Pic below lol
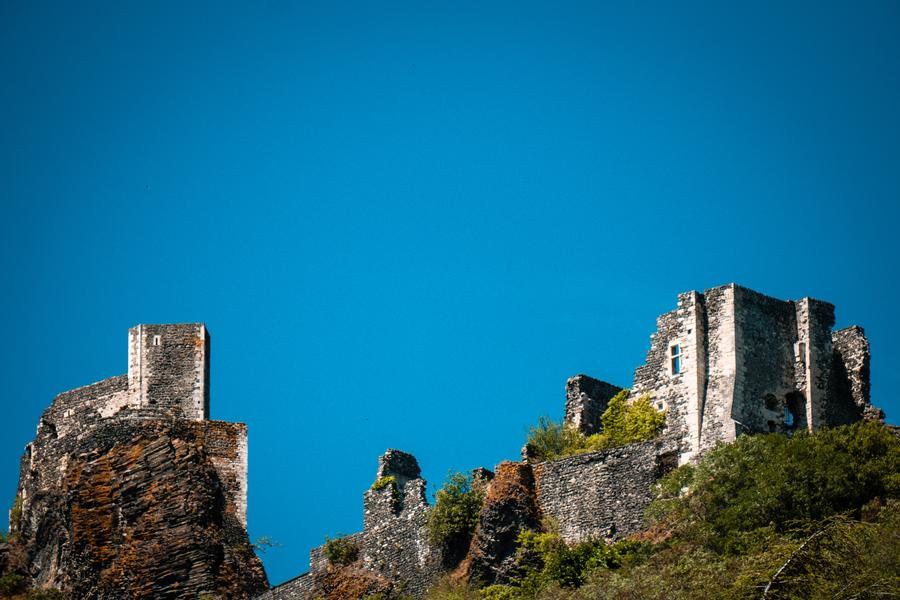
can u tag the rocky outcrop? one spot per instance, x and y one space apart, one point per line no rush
133 508
509 508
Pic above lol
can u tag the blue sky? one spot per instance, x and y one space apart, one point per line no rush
406 224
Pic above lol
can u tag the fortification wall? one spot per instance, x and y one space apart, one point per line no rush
78 409
602 494
226 445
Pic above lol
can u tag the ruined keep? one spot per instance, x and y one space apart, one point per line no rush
725 362
130 491
731 361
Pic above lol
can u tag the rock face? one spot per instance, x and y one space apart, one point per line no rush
138 511
509 508
122 500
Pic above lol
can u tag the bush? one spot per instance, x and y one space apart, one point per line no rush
789 483
383 482
568 565
340 551
623 423
15 519
498 592
455 515
11 583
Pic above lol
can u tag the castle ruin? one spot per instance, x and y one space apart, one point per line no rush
731 361
127 466
726 362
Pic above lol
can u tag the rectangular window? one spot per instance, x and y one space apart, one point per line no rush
675 356
156 340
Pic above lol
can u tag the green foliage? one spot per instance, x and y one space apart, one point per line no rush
567 565
811 516
45 594
449 589
626 423
15 519
340 551
11 583
498 592
456 511
623 423
383 482
789 483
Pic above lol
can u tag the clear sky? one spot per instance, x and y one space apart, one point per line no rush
406 224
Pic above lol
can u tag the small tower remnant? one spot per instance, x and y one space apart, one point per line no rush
586 401
168 369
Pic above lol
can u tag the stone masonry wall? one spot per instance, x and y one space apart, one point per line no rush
849 393
679 394
394 542
226 445
602 494
586 400
765 333
168 368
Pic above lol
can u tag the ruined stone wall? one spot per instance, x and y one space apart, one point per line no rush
586 401
226 445
75 410
168 368
680 394
849 385
393 545
602 494
765 336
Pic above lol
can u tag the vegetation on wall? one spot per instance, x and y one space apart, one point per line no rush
340 551
455 515
810 516
15 518
623 423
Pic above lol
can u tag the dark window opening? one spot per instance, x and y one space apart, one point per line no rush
771 402
771 426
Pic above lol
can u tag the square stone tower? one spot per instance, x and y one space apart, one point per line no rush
731 361
168 369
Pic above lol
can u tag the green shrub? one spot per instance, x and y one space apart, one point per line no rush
11 583
448 588
626 423
498 592
455 515
15 519
623 423
340 551
567 565
383 482
790 483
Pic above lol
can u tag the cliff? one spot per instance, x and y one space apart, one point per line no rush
134 509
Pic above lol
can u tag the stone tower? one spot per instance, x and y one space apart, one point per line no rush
168 369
